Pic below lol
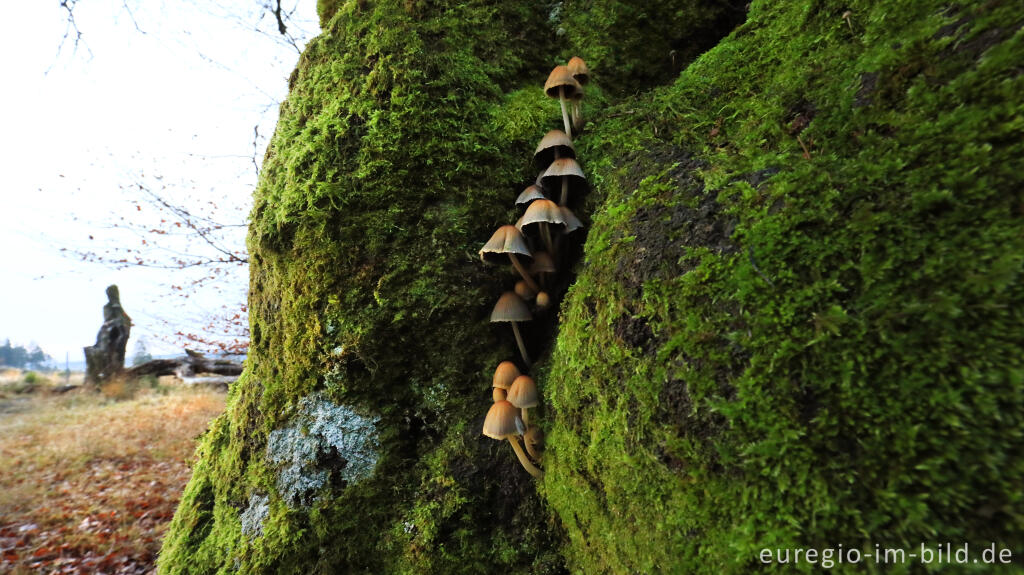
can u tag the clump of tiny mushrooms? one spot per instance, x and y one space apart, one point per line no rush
533 248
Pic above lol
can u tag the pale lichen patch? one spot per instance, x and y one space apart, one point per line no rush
324 443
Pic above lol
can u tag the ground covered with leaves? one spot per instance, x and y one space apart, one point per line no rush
88 484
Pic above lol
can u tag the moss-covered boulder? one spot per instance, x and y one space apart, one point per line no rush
796 322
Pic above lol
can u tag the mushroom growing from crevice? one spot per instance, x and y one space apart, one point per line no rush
578 122
508 244
543 301
523 290
532 192
511 308
561 85
554 145
542 213
578 68
501 423
504 375
523 394
567 174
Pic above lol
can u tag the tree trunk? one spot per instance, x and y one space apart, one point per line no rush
806 348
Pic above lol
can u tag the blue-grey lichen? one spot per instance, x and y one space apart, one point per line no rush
253 517
325 443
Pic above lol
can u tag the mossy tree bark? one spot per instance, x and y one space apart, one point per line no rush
796 324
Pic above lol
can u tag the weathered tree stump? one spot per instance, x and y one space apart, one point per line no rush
105 359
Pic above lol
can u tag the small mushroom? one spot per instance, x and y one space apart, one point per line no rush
504 375
578 68
523 394
511 308
503 422
572 223
543 300
555 144
580 73
567 172
577 114
532 192
561 85
543 213
508 243
534 441
523 290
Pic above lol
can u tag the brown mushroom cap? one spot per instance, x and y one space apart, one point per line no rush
505 374
572 223
543 300
553 142
533 192
578 68
506 240
524 290
523 392
510 307
560 77
551 179
541 211
542 264
501 420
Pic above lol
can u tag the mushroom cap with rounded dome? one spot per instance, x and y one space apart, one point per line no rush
541 211
569 168
510 307
578 68
500 422
543 300
523 392
553 141
572 223
532 192
524 290
505 240
560 77
505 374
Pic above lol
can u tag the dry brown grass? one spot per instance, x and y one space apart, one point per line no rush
88 484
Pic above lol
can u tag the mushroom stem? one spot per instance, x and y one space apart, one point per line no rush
565 191
526 416
522 346
565 116
522 271
545 234
527 465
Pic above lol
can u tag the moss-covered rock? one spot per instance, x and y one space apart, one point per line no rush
796 324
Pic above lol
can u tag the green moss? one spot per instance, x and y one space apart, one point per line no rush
765 349
631 46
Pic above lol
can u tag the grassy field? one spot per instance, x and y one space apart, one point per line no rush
89 481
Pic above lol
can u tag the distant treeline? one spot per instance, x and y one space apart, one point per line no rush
18 356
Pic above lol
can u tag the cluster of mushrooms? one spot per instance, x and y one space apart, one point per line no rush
533 246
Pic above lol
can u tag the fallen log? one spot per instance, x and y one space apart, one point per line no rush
185 367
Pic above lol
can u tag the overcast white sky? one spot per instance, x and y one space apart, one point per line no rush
164 93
